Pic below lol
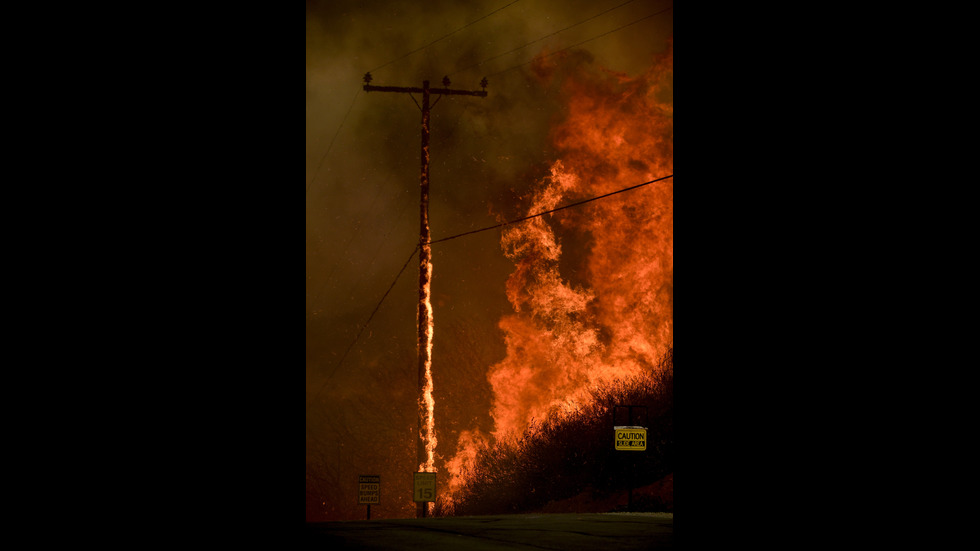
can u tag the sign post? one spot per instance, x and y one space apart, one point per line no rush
368 491
629 438
424 489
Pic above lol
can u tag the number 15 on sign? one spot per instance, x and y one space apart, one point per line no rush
424 487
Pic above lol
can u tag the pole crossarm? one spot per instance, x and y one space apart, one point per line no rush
448 92
426 419
403 89
411 89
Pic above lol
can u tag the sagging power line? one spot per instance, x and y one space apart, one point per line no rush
540 39
509 222
363 327
582 42
550 211
325 153
444 37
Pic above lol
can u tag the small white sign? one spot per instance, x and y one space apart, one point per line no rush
368 489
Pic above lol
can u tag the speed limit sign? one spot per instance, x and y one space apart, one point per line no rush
424 487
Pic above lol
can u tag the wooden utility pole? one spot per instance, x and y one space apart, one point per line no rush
425 253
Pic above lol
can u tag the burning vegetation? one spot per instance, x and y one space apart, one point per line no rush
593 322
571 453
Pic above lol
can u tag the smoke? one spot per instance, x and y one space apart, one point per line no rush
489 157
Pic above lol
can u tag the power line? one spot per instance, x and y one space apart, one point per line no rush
540 39
444 37
383 242
582 42
552 210
393 221
411 256
351 106
385 65
358 336
354 99
317 171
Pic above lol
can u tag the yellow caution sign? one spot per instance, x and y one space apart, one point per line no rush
631 438
424 487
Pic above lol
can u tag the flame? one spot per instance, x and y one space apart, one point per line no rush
606 312
427 402
469 442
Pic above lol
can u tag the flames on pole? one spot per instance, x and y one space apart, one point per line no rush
425 449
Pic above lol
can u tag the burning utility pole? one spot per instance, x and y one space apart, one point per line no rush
425 444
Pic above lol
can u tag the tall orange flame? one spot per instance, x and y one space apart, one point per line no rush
426 405
605 311
427 401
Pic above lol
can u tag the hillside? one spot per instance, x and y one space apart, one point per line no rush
655 497
568 462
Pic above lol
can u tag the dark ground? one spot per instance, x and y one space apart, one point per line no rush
569 532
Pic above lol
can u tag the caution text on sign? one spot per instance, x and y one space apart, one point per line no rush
630 438
368 489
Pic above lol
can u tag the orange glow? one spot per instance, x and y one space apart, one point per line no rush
428 403
607 314
469 443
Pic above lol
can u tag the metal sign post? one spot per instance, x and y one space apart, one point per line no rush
629 438
424 489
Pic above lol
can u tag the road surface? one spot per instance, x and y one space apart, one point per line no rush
567 532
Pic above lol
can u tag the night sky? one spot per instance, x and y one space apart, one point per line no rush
362 210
